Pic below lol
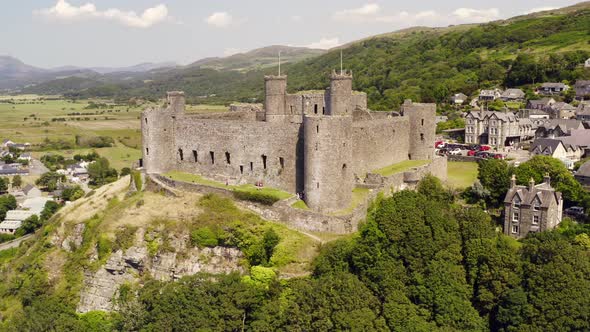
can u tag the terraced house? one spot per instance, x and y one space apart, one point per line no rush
497 129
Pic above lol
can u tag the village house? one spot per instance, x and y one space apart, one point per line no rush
557 128
458 99
582 88
579 138
535 115
552 88
532 208
497 129
513 95
541 104
587 63
583 111
557 149
562 110
490 95
583 175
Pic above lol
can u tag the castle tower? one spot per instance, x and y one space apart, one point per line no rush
340 93
275 91
328 177
422 129
157 127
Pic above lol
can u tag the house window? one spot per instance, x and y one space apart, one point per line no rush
228 158
536 205
212 155
195 156
263 161
515 216
180 154
535 220
514 229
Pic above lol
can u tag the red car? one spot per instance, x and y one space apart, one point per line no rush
471 153
485 148
438 144
499 156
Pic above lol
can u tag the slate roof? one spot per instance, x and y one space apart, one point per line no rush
565 124
584 170
546 145
553 85
28 188
500 115
513 93
578 137
543 101
544 192
560 106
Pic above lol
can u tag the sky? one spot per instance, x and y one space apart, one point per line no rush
90 33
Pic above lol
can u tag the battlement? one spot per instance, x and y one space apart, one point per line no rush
176 100
275 77
342 75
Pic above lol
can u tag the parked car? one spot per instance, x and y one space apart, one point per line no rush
439 144
485 148
471 153
482 154
575 211
455 152
442 152
499 156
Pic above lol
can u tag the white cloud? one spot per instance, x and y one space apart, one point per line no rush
64 11
539 9
219 19
470 15
325 43
296 18
372 12
358 14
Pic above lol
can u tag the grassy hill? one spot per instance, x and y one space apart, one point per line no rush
425 64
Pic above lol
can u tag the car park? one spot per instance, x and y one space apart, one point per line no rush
455 152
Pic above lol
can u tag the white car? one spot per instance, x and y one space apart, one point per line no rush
455 152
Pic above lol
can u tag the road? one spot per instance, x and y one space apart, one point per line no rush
37 168
14 243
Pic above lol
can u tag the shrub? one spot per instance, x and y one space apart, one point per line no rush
204 237
256 196
136 177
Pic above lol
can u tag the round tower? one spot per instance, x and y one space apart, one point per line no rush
340 93
422 129
275 91
157 134
328 176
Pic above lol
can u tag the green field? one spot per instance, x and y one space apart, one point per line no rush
359 195
401 167
461 175
119 156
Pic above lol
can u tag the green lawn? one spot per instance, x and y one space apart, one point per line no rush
300 205
461 174
401 167
358 196
119 156
195 178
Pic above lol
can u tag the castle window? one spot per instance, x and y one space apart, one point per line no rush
514 229
316 146
145 120
264 161
251 166
422 137
323 110
282 162
315 109
195 156
318 185
344 169
212 155
291 109
227 158
535 220
147 151
241 169
422 121
317 129
180 154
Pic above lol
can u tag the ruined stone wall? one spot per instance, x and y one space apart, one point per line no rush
379 143
229 116
240 152
243 107
328 162
359 100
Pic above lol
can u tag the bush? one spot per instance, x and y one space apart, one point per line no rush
136 175
204 237
255 196
6 237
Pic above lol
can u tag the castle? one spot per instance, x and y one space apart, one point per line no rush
320 144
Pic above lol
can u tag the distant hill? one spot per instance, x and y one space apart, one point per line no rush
423 64
258 58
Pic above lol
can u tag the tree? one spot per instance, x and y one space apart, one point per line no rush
72 193
3 185
49 180
49 210
101 173
494 175
17 181
125 171
29 225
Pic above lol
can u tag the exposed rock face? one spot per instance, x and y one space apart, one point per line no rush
101 287
73 241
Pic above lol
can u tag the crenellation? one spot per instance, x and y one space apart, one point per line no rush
313 143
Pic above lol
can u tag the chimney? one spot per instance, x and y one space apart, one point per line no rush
513 181
531 184
547 179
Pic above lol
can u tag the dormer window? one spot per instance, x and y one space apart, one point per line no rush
516 202
536 205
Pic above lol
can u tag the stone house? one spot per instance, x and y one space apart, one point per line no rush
489 95
557 149
541 104
532 208
552 88
562 110
587 63
497 129
557 127
513 95
458 99
533 114
583 111
583 174
31 191
582 88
